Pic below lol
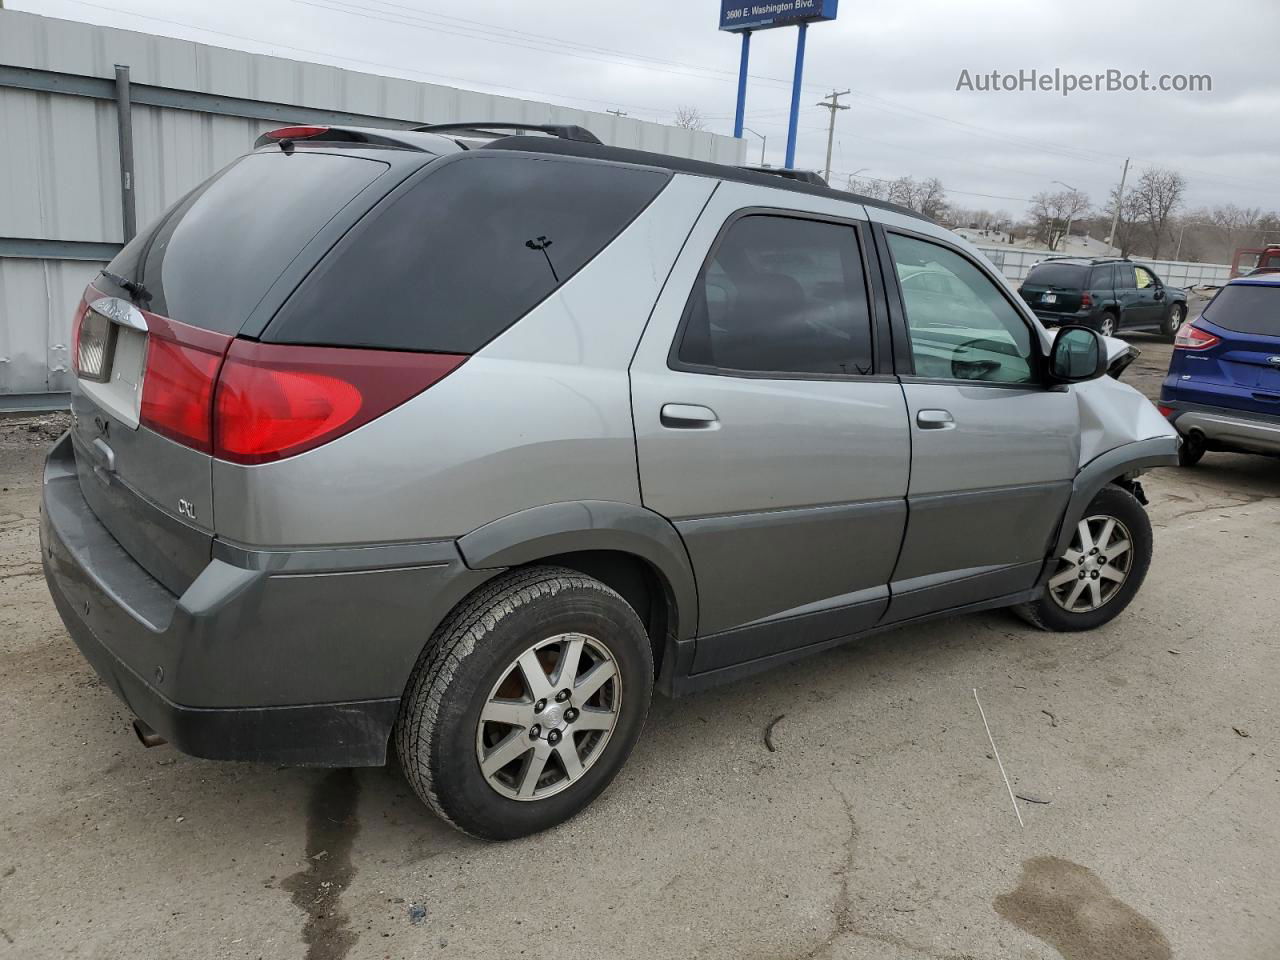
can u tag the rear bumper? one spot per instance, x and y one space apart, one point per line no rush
295 657
1232 429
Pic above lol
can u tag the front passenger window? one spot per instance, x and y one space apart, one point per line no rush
961 325
1145 278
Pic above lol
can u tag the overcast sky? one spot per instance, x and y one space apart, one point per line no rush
901 59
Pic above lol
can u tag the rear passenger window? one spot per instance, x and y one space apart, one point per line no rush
1101 278
780 295
1124 276
467 250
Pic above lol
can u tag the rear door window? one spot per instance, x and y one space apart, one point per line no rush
780 295
458 255
1102 278
1252 308
214 254
1124 276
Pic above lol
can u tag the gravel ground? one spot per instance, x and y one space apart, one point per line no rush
880 827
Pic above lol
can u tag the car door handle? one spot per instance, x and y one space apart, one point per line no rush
688 416
935 420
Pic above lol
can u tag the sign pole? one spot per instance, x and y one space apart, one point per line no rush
740 116
795 97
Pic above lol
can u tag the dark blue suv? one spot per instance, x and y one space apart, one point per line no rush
1223 387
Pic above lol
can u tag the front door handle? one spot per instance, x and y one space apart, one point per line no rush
935 420
688 416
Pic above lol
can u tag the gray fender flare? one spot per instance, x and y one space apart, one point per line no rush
1124 460
577 525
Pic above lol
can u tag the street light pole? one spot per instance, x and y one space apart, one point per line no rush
763 141
1191 223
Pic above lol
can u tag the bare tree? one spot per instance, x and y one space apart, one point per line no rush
929 198
1158 195
690 118
875 189
1130 215
924 196
1052 214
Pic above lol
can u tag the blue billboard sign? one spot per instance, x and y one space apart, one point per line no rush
762 14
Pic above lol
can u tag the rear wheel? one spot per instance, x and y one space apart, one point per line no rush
1100 572
1191 449
1107 324
1177 313
526 702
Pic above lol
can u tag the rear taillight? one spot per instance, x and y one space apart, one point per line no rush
1191 337
77 325
1165 412
177 388
1086 300
275 401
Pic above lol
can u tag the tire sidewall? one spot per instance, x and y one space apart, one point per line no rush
1173 320
460 790
1112 501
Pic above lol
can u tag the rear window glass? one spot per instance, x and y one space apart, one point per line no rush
1246 308
462 253
214 254
1057 274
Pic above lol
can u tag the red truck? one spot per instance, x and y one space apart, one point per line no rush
1256 259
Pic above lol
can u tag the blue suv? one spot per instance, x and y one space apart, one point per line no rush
1223 387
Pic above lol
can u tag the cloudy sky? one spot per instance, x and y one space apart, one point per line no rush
902 61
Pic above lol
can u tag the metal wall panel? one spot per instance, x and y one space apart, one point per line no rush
59 173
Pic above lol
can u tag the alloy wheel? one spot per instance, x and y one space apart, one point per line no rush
1094 567
548 718
1107 327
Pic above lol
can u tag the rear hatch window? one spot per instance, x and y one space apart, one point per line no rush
1251 308
1054 287
1060 275
456 256
213 255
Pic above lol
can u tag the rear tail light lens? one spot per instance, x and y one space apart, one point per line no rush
1086 300
1191 337
275 401
177 389
1165 412
76 324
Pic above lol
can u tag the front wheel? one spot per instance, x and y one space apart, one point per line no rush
526 702
1100 572
1177 313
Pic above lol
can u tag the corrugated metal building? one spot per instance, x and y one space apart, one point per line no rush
194 109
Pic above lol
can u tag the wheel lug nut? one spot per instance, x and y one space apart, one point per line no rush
562 696
534 731
1094 575
570 715
540 706
553 737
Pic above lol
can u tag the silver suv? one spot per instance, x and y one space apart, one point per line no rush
467 442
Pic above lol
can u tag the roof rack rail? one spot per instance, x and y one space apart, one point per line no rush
801 176
565 131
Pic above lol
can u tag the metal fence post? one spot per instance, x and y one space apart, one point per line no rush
124 119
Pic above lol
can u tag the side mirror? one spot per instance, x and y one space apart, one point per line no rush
1078 354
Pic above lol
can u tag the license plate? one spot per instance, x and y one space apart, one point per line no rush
1048 298
96 346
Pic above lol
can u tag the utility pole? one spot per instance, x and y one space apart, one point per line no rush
833 106
617 113
1115 219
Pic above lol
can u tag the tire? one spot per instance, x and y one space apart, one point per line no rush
1177 313
477 666
1191 449
1108 324
1128 524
